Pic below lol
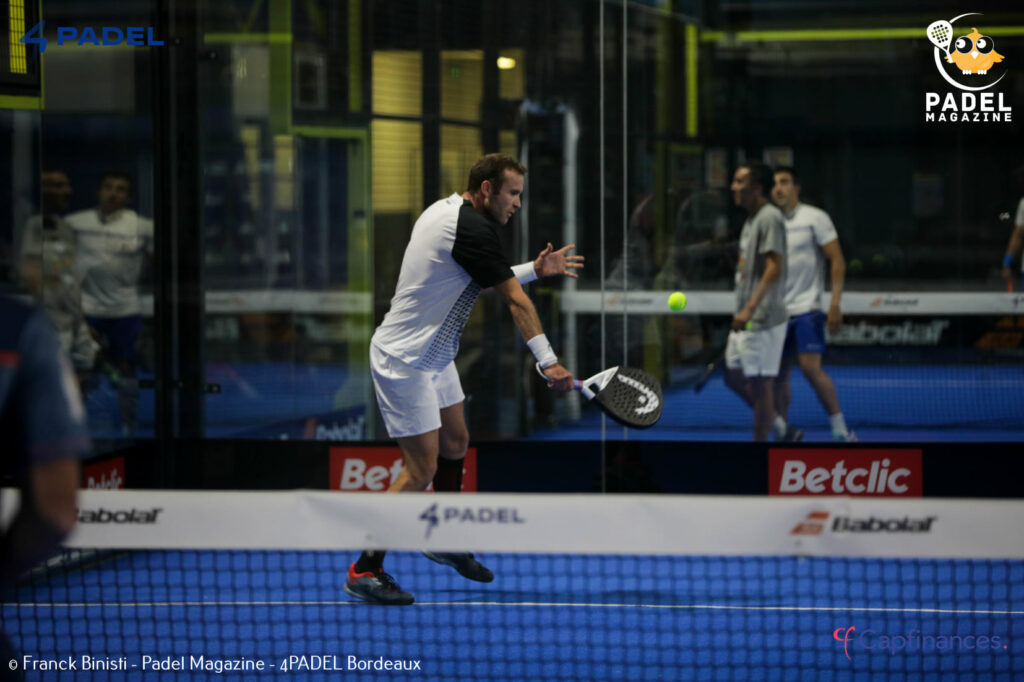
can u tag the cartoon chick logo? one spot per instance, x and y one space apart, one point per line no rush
973 54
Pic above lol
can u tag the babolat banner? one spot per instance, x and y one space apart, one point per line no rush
980 332
489 522
342 425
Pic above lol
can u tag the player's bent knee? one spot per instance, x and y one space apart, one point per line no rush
421 475
454 447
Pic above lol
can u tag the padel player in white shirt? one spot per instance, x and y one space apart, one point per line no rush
1016 237
811 239
453 254
114 243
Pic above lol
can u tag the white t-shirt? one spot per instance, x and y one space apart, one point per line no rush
1019 221
807 229
453 253
109 261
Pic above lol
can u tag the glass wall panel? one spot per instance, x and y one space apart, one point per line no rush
286 221
326 128
98 221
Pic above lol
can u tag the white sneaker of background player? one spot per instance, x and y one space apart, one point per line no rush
848 437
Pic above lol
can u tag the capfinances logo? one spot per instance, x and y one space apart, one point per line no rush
972 66
913 641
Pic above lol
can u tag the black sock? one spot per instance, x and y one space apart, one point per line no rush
372 560
448 478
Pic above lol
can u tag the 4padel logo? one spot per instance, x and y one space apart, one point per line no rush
430 516
971 65
435 515
105 36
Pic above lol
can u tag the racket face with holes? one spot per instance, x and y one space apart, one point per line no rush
940 33
628 395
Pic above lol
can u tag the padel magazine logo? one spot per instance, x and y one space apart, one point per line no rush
971 65
914 641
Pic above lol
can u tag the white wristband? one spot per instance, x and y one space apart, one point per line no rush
541 349
524 272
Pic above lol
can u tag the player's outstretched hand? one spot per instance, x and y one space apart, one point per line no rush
559 378
551 262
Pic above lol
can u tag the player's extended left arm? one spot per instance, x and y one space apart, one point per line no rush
770 278
526 319
549 262
834 253
1016 239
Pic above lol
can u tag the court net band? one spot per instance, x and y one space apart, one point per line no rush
195 585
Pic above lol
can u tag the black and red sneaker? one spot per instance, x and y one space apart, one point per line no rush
376 587
463 562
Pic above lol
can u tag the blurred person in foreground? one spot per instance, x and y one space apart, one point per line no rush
43 425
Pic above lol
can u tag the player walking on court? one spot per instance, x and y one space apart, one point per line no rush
453 254
811 239
1016 236
754 347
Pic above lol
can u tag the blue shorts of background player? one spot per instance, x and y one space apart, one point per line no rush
120 335
805 334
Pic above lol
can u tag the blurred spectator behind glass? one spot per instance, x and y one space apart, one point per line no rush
633 270
702 254
46 269
114 243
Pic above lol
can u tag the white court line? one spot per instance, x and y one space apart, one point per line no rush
937 382
706 607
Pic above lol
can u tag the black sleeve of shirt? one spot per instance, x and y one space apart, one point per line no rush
477 249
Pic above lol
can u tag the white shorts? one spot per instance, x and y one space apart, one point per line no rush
411 399
757 352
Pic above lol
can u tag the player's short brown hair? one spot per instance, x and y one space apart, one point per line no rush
492 167
760 174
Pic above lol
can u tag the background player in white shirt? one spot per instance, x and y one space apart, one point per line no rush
113 245
811 239
454 253
1016 237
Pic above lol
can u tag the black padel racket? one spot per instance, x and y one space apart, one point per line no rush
705 376
630 396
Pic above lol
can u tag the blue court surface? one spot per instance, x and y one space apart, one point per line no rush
563 617
897 403
881 404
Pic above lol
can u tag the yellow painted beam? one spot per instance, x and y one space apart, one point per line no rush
842 34
691 80
257 38
18 102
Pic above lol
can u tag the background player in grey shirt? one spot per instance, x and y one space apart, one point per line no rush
759 327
